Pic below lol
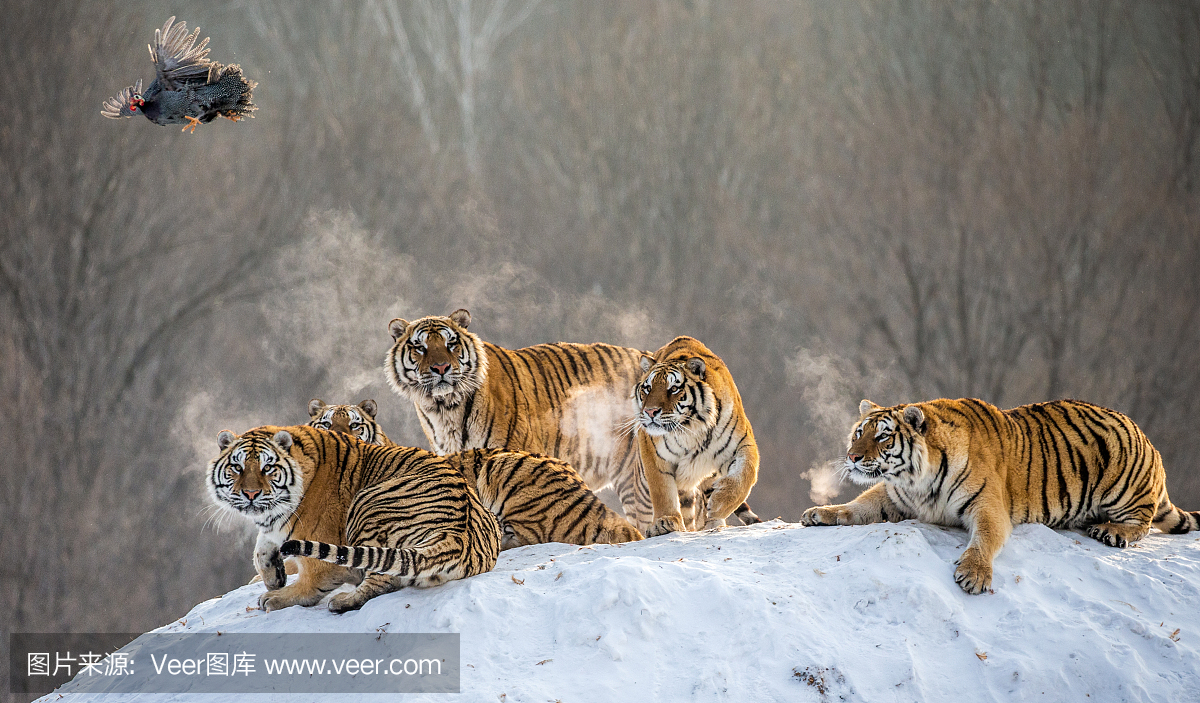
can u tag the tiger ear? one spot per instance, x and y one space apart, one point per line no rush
315 407
696 366
283 439
461 317
647 361
397 327
224 439
914 416
369 407
865 406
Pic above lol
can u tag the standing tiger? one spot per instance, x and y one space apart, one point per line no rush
562 400
356 420
967 463
691 427
409 518
540 499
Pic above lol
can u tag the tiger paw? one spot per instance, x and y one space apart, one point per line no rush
665 525
827 515
286 597
272 601
974 572
345 602
714 525
1115 535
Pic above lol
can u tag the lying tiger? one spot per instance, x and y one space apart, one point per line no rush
537 499
381 518
967 463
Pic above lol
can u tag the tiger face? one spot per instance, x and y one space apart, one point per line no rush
355 420
886 443
673 397
436 359
255 476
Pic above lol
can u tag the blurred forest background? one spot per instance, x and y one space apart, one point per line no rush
893 200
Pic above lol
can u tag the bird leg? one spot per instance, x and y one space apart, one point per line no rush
193 123
231 116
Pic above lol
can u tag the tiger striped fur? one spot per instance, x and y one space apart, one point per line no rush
690 427
357 420
418 519
966 463
540 499
563 400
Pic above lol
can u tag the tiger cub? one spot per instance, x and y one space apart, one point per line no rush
357 420
691 426
411 518
562 400
540 499
967 463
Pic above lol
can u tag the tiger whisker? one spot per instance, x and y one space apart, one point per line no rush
214 514
627 428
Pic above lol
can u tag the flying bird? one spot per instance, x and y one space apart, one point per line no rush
188 88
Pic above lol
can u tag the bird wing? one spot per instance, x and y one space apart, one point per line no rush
177 59
118 107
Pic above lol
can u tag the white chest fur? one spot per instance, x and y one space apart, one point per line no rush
927 497
696 456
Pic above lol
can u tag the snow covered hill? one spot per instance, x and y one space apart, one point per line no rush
777 612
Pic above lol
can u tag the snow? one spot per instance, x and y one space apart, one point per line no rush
779 612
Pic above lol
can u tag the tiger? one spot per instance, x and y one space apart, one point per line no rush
379 518
691 427
967 463
563 400
539 499
358 420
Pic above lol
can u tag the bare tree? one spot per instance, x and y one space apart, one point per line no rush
457 40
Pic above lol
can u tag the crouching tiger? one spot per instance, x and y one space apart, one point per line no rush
967 463
693 435
381 518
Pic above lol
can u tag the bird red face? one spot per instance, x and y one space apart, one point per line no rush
136 103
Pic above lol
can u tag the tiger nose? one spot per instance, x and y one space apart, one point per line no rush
251 495
854 457
440 368
652 412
